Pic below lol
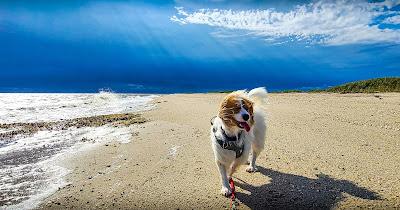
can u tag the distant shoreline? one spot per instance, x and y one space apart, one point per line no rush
378 85
386 84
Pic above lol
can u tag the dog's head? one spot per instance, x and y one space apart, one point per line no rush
236 111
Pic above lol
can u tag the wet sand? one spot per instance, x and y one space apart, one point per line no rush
322 151
13 130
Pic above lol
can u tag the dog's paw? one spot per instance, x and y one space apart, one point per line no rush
251 169
226 191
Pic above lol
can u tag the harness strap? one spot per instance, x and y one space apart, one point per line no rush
229 143
231 146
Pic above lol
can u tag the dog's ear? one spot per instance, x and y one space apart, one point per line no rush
228 108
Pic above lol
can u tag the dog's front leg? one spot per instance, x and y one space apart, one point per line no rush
252 160
226 189
233 168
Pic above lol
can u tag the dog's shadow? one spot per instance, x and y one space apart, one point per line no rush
288 191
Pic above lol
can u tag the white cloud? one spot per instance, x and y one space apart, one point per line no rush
392 20
323 22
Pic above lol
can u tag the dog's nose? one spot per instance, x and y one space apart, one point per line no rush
245 117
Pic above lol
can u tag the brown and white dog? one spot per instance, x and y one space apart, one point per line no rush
238 133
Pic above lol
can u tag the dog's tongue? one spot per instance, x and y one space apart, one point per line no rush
245 126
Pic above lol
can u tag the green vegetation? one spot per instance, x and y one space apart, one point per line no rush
389 84
369 86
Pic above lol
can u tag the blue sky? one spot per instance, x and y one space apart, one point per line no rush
191 46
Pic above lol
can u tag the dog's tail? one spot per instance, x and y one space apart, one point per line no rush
258 95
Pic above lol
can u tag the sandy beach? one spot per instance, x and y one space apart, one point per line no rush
322 151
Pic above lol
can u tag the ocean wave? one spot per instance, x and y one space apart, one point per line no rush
30 167
18 107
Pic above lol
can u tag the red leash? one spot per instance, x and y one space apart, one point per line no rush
233 196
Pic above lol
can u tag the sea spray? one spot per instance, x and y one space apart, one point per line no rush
24 108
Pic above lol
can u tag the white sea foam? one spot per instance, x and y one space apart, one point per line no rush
30 166
21 107
41 176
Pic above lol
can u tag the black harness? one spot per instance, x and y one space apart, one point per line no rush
229 142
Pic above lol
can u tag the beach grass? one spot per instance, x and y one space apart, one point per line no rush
389 84
378 85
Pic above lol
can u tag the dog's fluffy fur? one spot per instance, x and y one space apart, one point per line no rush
230 118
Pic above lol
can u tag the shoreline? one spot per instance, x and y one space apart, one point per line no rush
322 151
86 134
37 133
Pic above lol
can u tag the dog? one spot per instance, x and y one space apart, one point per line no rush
238 133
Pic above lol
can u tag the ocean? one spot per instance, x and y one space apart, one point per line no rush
30 167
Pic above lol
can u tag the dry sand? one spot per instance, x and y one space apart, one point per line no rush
322 151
